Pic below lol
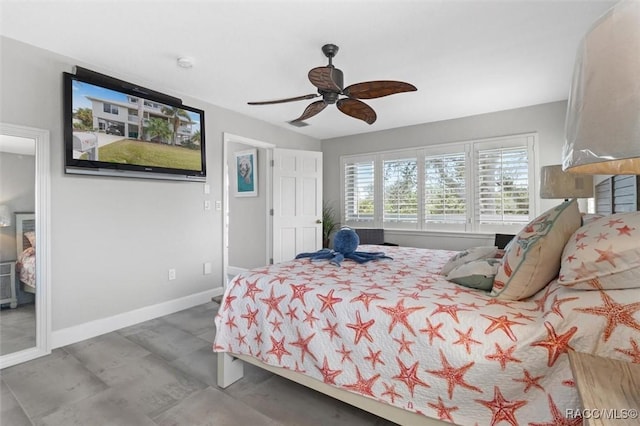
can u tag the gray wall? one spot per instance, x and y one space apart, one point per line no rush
17 190
247 219
113 239
547 120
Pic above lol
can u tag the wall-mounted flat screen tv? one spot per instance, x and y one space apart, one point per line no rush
115 128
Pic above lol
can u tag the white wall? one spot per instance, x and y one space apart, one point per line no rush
113 239
547 120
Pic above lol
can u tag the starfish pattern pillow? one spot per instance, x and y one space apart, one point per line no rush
532 258
605 254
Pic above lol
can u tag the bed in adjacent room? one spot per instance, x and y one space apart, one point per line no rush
398 339
26 251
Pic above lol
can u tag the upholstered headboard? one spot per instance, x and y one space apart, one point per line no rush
618 194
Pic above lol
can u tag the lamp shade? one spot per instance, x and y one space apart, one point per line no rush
603 115
555 183
5 216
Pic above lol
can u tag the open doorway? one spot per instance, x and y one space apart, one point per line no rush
247 233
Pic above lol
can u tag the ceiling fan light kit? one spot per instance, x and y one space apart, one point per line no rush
329 81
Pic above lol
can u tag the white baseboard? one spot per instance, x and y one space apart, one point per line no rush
78 333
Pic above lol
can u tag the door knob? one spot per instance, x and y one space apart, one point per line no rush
318 221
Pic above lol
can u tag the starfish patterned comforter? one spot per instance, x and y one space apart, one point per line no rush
398 332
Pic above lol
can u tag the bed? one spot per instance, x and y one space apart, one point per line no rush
395 338
26 251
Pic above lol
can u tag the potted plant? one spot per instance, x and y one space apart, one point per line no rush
329 223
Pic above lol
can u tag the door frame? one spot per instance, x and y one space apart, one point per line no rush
227 138
43 248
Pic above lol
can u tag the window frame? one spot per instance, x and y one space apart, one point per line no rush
470 148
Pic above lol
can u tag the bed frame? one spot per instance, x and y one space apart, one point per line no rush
231 369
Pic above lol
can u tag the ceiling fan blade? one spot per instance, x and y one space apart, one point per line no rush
324 78
357 109
311 110
280 101
377 89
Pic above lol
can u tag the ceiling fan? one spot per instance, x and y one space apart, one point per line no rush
329 81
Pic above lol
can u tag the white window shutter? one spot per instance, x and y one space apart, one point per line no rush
400 191
359 191
445 194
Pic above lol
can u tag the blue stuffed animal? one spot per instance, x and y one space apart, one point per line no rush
345 243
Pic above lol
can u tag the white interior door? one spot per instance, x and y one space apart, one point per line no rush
297 203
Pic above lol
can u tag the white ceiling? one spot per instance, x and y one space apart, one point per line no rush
465 57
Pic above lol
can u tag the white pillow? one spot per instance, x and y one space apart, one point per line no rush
473 253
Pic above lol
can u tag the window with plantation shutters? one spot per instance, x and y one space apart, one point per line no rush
445 193
400 191
475 186
502 195
359 191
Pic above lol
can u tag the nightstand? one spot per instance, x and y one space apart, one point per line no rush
8 284
609 389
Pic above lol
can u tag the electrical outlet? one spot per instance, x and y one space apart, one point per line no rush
206 268
172 274
207 205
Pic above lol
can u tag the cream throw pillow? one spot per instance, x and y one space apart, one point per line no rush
532 258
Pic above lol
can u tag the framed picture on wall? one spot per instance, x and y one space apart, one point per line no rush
246 173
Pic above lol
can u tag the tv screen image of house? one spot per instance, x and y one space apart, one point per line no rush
114 131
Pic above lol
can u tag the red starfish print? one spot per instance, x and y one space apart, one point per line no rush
542 301
625 230
308 317
298 369
363 385
276 325
501 323
328 301
520 315
444 413
405 345
252 290
501 409
346 354
241 338
555 306
612 222
582 271
278 349
448 309
366 298
503 356
391 391
258 338
231 322
291 313
581 246
250 316
495 301
272 303
602 236
303 344
571 258
399 314
332 330
361 328
409 375
375 286
558 417
298 292
607 255
280 278
446 296
580 235
615 313
328 375
634 352
530 381
465 339
374 358
453 376
556 344
227 302
432 331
